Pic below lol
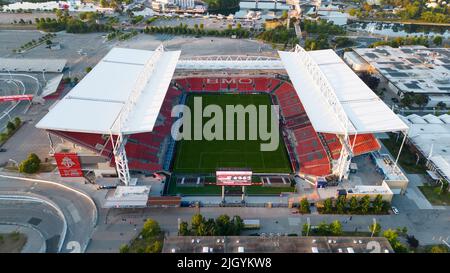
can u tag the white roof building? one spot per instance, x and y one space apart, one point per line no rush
432 139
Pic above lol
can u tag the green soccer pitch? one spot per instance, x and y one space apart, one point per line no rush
203 156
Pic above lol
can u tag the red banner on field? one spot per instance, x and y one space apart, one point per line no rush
68 164
15 98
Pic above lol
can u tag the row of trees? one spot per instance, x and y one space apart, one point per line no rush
364 205
279 35
183 29
410 10
320 42
221 226
323 229
47 38
400 41
71 24
321 27
410 99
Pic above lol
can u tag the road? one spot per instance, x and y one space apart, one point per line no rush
41 216
428 226
80 212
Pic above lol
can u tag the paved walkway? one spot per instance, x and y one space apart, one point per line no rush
35 241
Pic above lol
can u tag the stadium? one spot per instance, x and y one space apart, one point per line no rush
122 112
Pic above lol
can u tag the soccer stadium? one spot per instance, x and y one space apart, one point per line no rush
122 112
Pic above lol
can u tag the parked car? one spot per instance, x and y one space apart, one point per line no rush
2 150
395 100
395 210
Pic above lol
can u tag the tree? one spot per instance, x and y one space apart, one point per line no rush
304 206
441 105
370 80
30 165
88 69
392 236
378 204
328 205
354 206
412 241
155 247
305 228
238 225
323 229
197 220
124 248
439 249
437 40
336 228
407 99
364 204
340 205
421 99
151 228
10 127
223 224
184 229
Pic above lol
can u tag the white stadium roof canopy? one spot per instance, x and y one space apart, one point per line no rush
126 85
365 111
124 92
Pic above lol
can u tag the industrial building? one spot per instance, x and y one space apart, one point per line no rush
430 136
275 244
407 69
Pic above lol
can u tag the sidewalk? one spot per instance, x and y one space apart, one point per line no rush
35 241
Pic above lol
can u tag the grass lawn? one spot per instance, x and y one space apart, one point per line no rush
431 193
203 156
12 242
407 159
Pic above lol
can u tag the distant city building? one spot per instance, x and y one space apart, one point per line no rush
165 5
408 69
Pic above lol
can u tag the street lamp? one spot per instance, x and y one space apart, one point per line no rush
374 227
309 225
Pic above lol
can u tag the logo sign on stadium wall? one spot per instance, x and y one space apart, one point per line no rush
229 80
234 178
68 164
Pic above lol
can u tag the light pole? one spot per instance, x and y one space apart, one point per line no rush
374 227
309 225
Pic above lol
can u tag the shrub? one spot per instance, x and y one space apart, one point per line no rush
30 165
151 228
